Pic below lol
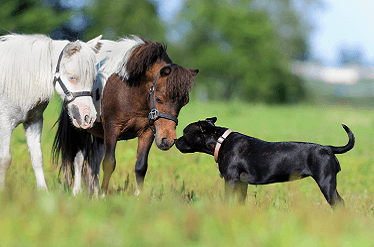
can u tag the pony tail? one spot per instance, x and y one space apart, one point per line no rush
68 141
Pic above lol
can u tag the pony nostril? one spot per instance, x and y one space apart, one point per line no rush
164 141
87 119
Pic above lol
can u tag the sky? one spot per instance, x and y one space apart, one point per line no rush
338 24
343 23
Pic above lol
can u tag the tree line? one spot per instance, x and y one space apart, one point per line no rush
242 48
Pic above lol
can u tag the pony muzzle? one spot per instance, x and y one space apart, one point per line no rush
165 133
82 116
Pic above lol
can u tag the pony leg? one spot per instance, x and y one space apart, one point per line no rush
93 166
141 166
109 161
33 137
6 130
78 164
100 155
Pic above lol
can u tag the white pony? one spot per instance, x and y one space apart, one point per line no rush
111 59
30 67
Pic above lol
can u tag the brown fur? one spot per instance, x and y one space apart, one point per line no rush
125 106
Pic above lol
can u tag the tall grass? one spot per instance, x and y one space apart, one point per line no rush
182 202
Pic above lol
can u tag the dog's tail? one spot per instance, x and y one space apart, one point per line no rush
346 148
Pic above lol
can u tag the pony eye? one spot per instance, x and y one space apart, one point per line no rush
71 77
158 100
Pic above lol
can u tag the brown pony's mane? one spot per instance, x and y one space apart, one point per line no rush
179 82
143 57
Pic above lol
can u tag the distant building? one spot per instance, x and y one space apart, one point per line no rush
343 75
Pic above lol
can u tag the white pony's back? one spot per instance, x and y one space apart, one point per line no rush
115 55
26 68
112 59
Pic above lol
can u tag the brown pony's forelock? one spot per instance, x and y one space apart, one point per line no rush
179 82
143 57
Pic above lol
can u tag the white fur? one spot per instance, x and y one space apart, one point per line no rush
27 66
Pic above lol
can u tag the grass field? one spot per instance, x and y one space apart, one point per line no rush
182 202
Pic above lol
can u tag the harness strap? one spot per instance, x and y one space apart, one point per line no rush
219 143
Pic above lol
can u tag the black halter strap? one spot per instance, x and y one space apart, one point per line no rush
154 114
69 96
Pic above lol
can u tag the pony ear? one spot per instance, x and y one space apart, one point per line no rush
72 48
95 44
165 71
194 71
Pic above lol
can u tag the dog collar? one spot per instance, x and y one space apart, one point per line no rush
219 143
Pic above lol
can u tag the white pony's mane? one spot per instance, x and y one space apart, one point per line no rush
116 57
25 68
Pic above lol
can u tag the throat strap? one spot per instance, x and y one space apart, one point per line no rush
219 143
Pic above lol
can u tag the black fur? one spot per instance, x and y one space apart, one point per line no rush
243 159
77 140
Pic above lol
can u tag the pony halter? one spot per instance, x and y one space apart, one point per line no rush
69 96
154 114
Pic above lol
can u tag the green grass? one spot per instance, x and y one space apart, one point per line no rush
182 202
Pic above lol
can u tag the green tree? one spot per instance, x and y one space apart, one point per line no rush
237 50
118 18
30 16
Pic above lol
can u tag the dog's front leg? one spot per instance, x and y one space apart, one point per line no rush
241 191
229 189
235 188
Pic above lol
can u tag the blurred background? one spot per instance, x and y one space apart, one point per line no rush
263 51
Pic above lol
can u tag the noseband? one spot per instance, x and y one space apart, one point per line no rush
154 114
69 96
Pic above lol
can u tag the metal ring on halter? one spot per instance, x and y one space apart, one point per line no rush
69 94
155 114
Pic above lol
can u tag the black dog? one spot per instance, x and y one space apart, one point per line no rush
243 159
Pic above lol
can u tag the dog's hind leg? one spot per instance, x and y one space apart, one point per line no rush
328 187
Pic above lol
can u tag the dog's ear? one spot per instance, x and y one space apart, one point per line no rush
211 120
208 123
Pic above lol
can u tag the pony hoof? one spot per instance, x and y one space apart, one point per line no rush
76 191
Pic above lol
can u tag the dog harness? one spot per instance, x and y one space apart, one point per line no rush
219 143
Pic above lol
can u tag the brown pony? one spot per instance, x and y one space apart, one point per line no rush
141 98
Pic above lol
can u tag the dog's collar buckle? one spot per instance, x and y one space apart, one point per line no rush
220 140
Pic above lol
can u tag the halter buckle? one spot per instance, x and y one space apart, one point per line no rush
57 75
69 97
153 114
